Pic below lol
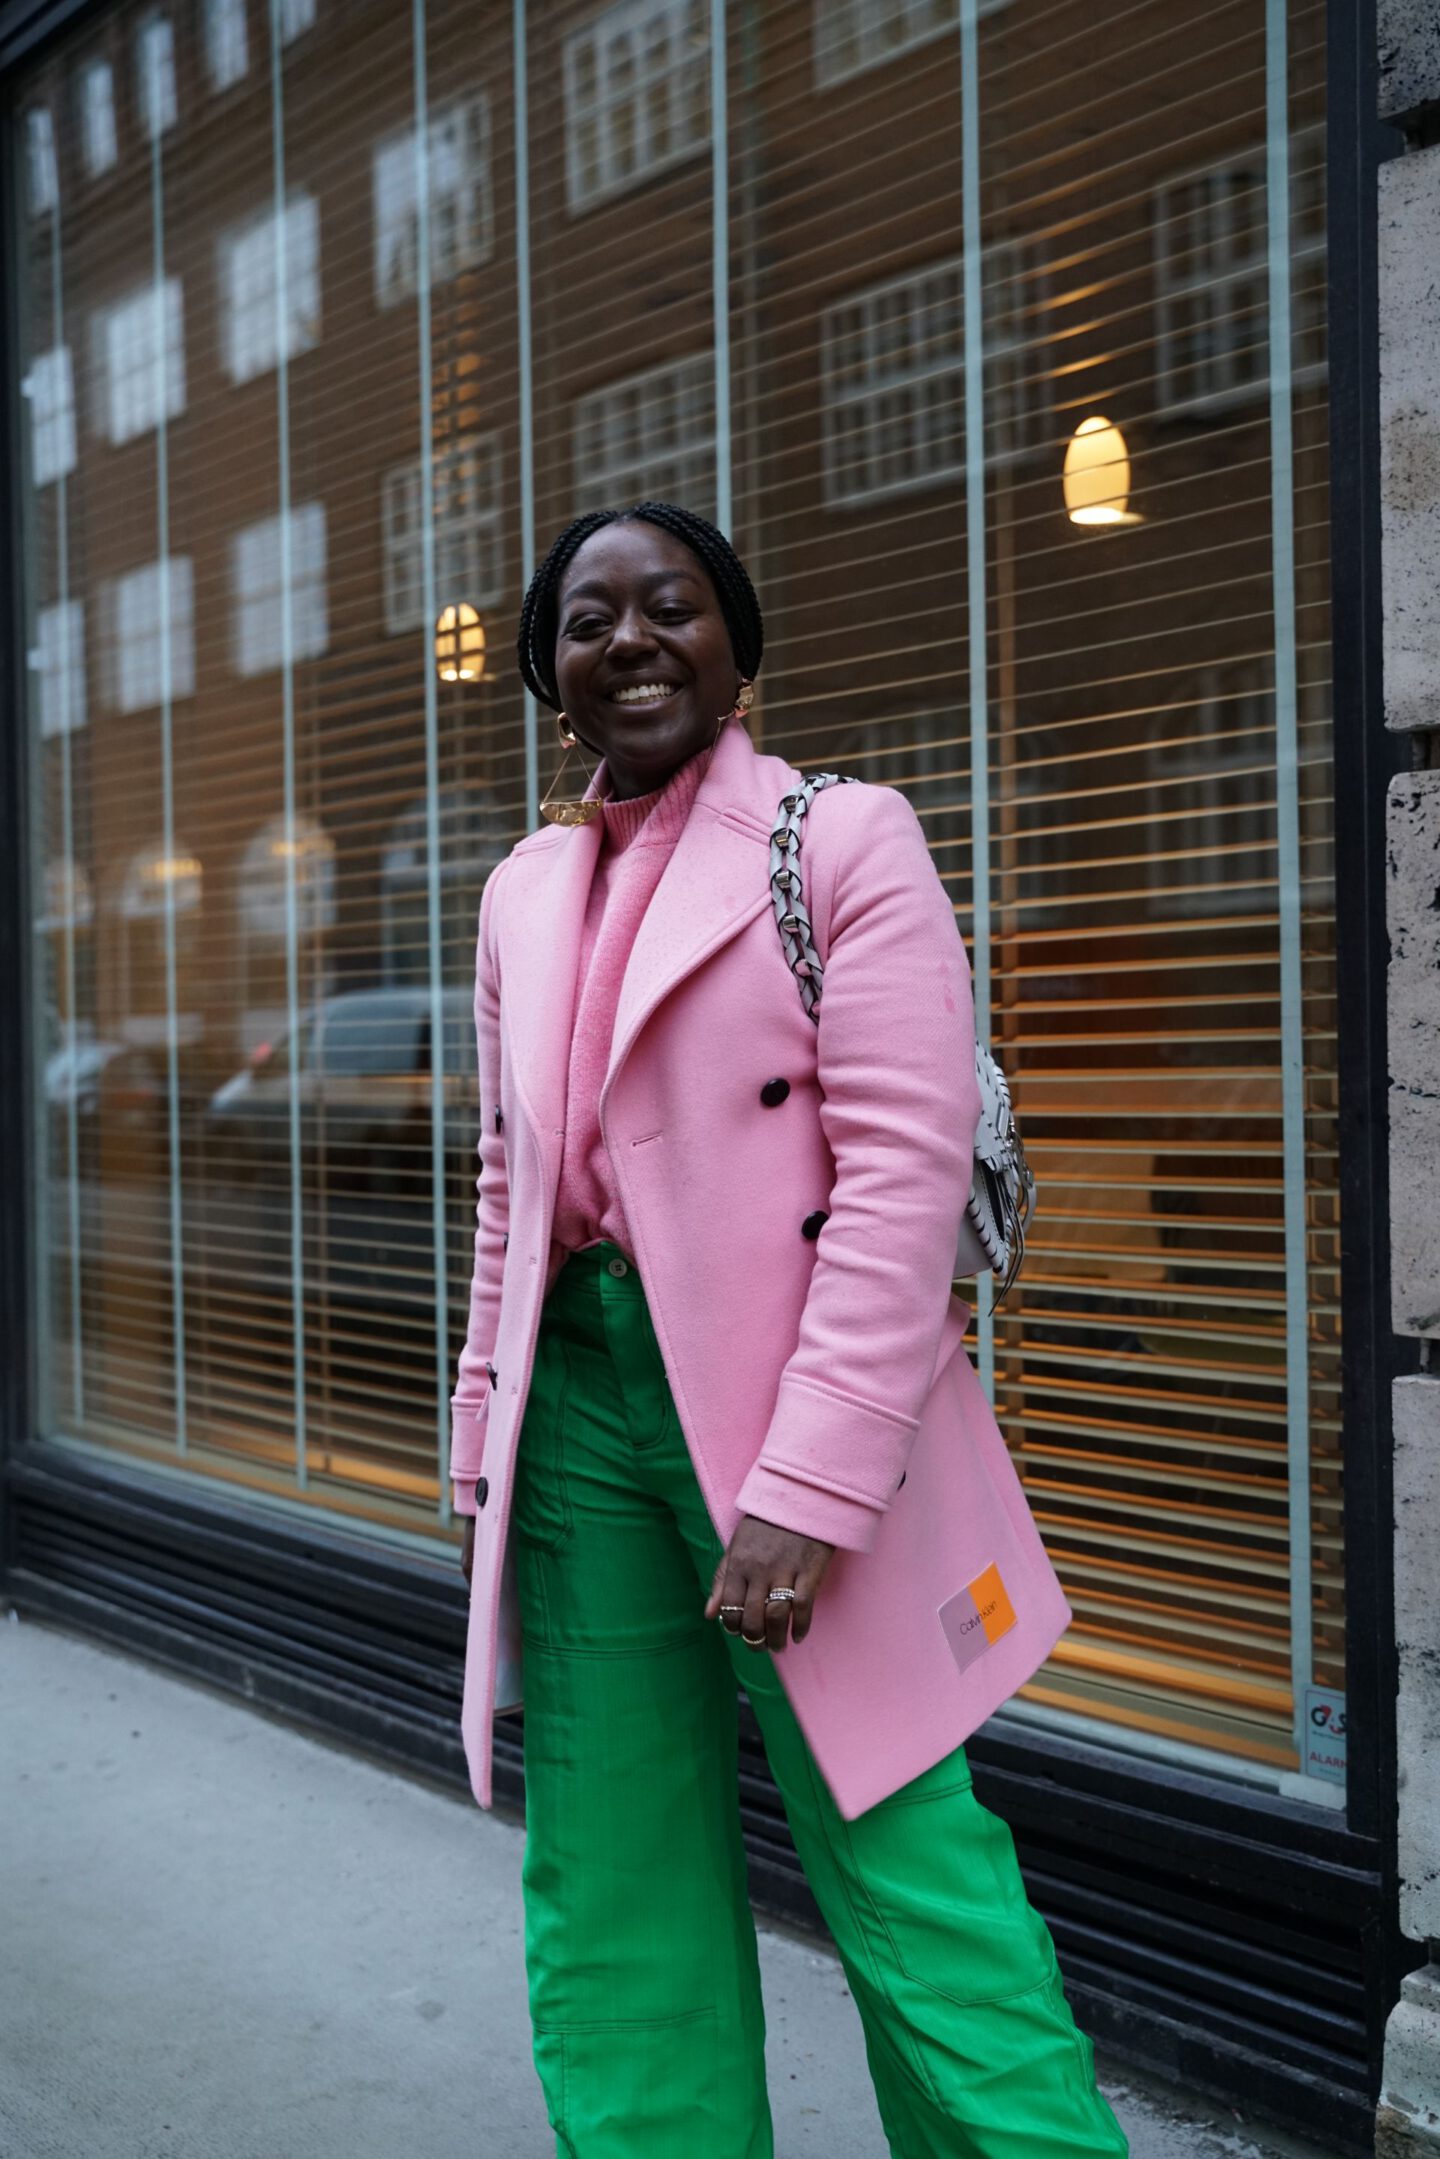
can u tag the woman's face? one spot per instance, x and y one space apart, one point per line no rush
643 661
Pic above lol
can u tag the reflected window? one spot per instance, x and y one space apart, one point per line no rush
57 661
42 173
150 668
1210 816
49 388
296 17
851 35
155 74
892 361
279 617
460 206
254 338
161 887
97 118
140 360
1212 280
287 876
473 839
227 44
926 755
468 532
648 434
637 95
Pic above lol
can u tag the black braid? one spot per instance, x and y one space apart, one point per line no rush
539 616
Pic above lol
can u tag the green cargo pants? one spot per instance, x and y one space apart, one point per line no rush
640 1947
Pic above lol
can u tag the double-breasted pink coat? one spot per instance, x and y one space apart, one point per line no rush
820 1380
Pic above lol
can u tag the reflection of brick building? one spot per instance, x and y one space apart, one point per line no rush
292 387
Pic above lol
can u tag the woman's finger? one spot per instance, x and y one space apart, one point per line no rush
754 1627
802 1611
713 1601
734 1592
777 1618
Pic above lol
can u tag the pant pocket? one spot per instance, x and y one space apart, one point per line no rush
945 1888
540 1513
641 2090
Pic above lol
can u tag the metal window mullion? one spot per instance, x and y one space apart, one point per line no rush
287 687
67 847
527 387
720 259
160 373
441 1278
1287 820
974 304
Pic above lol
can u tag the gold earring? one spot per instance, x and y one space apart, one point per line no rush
572 810
746 697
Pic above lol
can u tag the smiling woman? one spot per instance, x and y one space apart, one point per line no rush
618 1458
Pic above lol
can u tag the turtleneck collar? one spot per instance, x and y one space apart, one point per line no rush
661 813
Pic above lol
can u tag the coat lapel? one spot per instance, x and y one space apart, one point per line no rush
717 880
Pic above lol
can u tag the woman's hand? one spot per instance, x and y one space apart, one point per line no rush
467 1547
762 1557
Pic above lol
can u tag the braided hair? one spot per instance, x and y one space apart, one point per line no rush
540 615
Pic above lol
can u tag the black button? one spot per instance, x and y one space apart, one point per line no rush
482 1490
813 1223
774 1092
499 1118
494 1375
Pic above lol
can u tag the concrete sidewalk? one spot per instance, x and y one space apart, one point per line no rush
221 1939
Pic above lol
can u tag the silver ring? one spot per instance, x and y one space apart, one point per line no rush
780 1596
753 1641
732 1608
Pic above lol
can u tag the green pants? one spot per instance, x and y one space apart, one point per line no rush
640 1946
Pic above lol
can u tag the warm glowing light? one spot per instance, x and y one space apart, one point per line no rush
459 644
1097 476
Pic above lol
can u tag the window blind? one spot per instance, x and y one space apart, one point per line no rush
322 336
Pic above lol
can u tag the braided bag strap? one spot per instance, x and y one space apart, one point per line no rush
787 888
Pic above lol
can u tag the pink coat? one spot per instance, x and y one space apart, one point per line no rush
812 1376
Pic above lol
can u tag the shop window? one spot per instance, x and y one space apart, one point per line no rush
461 204
892 360
1212 281
637 96
41 170
851 35
49 389
147 667
57 661
97 118
227 44
254 338
140 360
280 616
469 532
162 887
648 434
155 74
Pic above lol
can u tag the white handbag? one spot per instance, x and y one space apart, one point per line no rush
1002 1191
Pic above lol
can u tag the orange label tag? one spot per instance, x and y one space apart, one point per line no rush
997 1613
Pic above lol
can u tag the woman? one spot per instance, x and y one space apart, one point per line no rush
711 1338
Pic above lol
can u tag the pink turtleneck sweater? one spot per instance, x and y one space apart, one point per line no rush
637 842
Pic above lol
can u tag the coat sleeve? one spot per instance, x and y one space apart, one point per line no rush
900 1107
471 1399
